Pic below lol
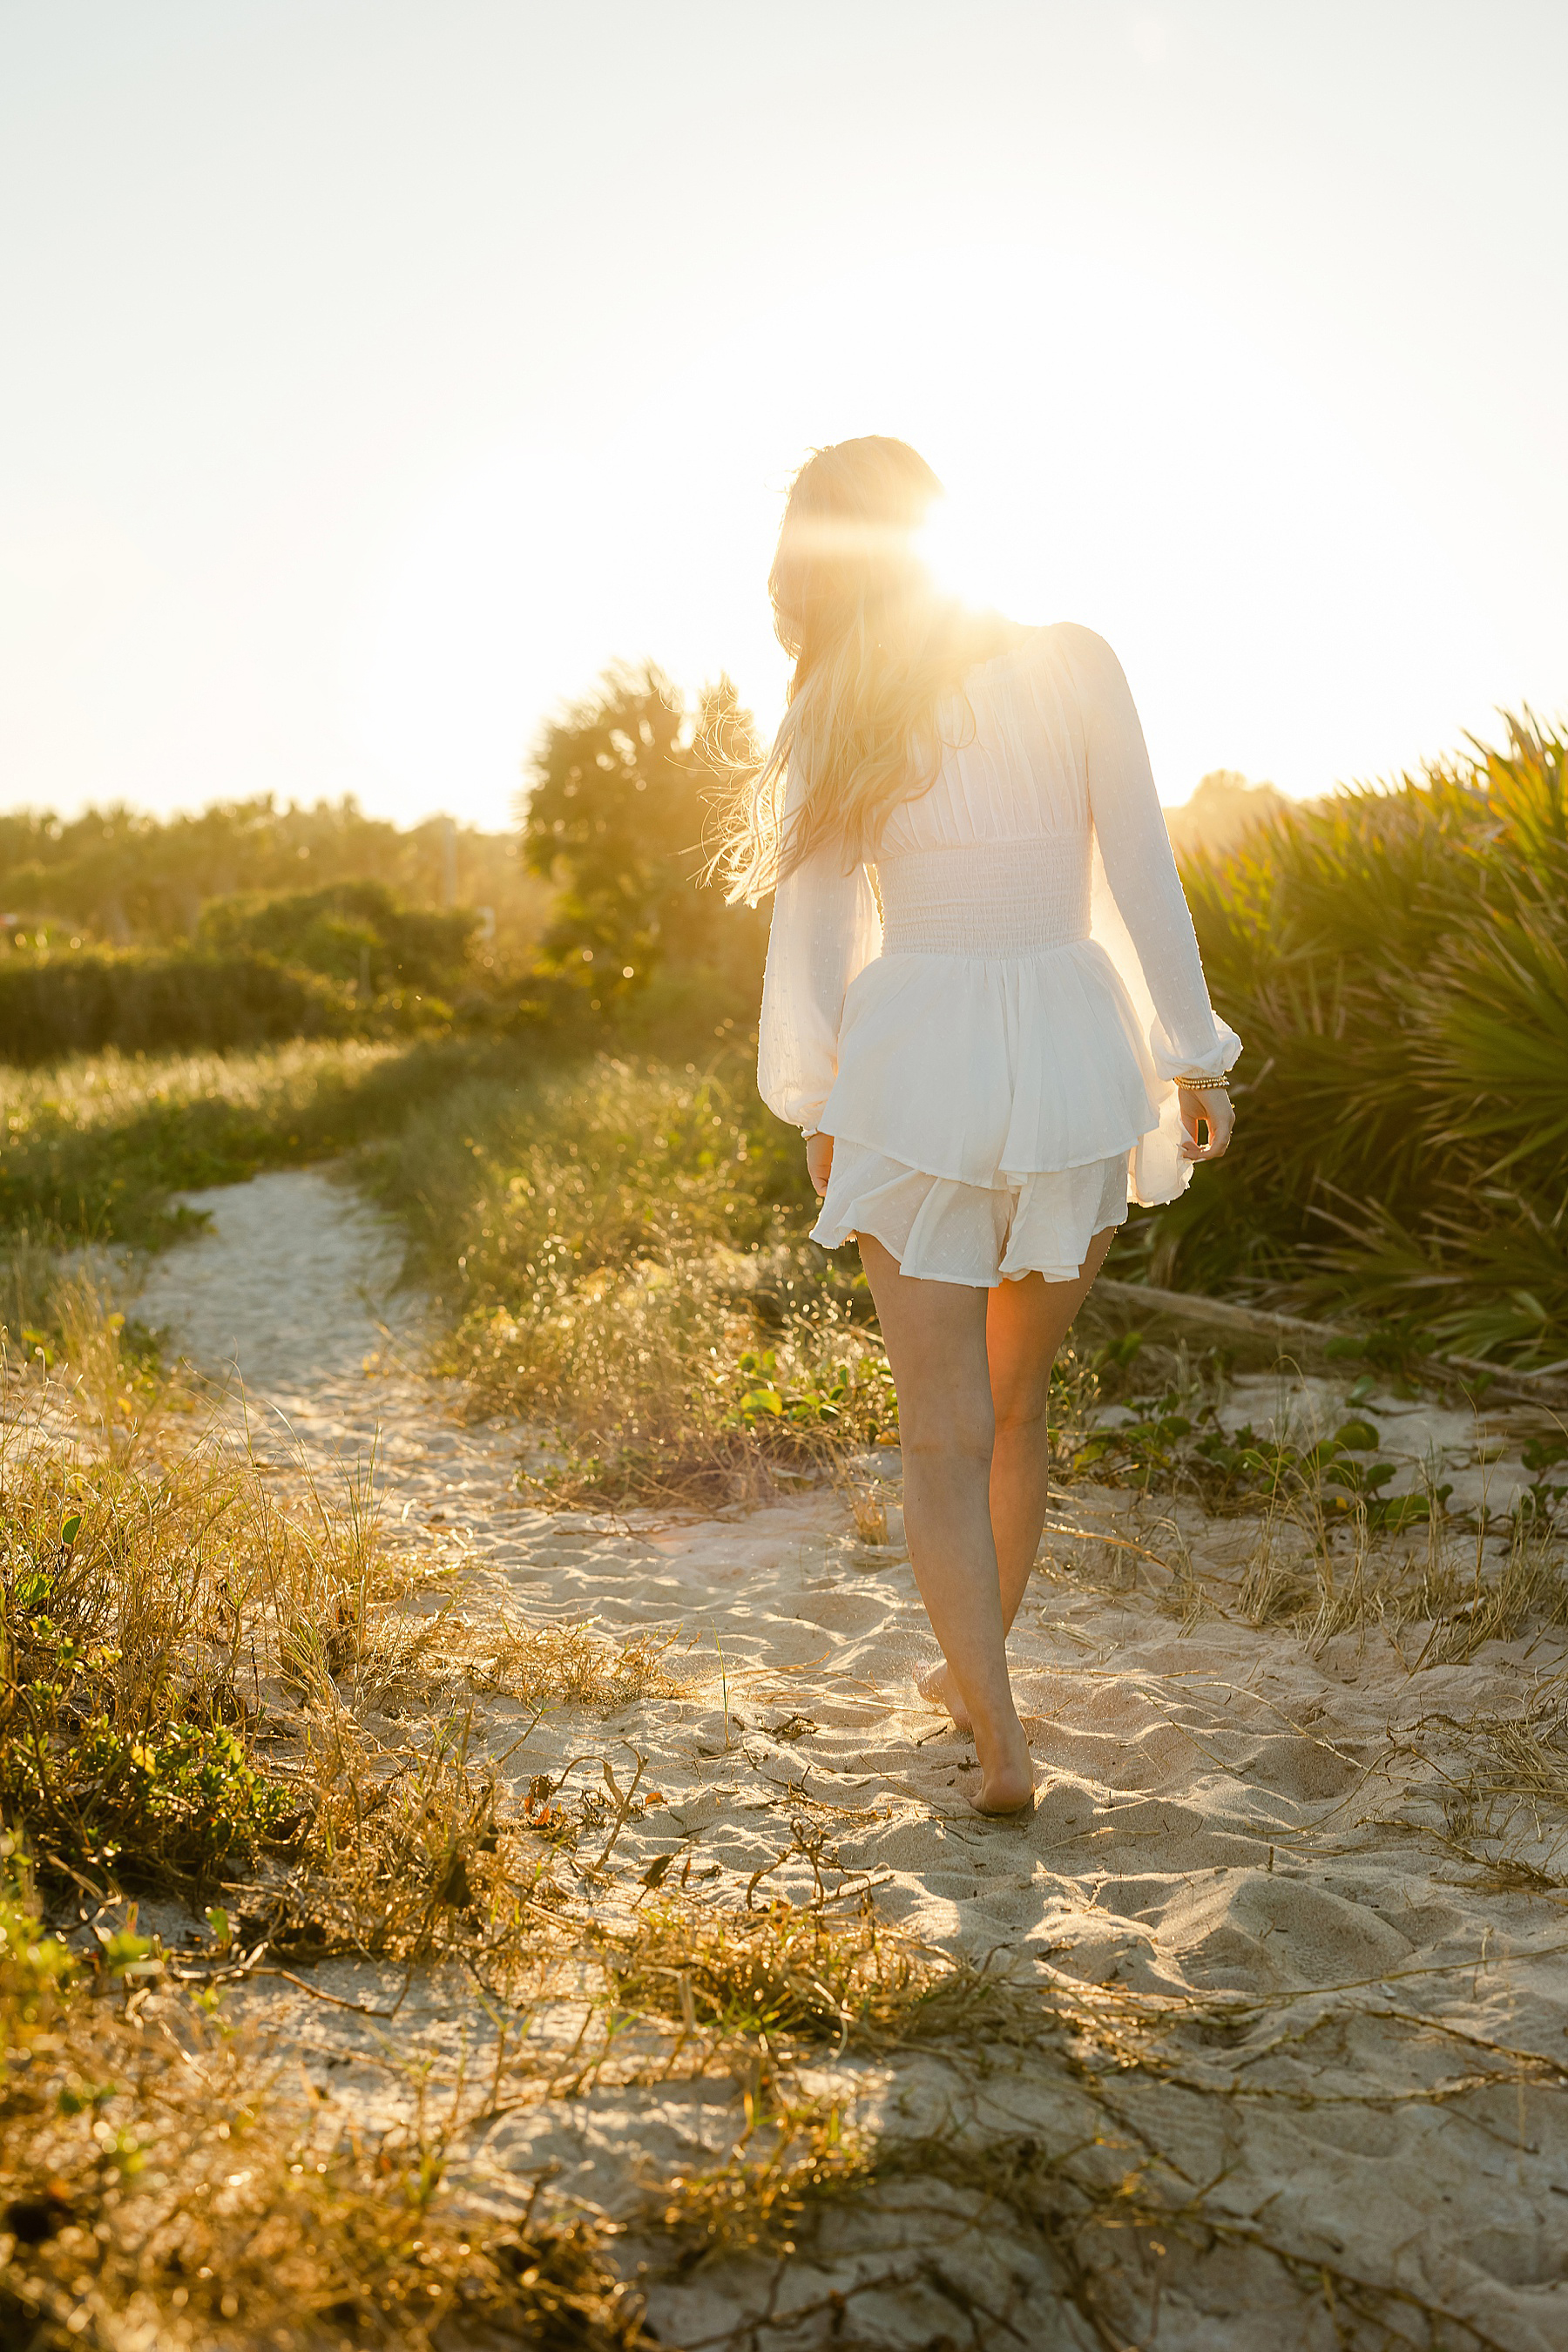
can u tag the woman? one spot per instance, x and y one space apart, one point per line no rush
988 1048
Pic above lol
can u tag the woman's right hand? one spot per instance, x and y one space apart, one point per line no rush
819 1161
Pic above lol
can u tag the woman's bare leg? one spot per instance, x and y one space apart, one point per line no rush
935 1337
1025 1323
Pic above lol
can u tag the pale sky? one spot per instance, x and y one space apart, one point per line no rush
372 372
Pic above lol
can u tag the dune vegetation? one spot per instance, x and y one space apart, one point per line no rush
621 1252
253 1703
158 2179
1396 960
677 1840
621 1248
92 1147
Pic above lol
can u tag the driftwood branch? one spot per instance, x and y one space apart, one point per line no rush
1255 1322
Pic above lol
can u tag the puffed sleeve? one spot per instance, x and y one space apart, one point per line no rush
1184 1035
826 928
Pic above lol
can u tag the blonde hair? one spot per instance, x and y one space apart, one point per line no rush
876 651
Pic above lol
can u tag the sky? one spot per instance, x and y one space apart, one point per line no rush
374 372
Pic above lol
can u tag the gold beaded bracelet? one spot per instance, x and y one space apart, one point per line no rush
1205 1086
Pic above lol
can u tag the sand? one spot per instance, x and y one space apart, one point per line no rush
1265 1859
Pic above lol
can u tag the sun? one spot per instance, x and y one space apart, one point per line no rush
973 552
952 548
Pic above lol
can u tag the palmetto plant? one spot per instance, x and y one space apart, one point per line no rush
1396 958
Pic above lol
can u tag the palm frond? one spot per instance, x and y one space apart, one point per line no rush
1396 958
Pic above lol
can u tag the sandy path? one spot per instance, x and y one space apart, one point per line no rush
1228 1816
290 1301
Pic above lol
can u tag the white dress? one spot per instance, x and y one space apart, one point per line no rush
991 1049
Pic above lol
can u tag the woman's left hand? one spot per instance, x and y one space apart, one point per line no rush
1215 1111
819 1161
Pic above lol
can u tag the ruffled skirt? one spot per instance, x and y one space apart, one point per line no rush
991 1114
944 1230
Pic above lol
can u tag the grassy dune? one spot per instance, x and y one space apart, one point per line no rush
621 1252
250 1697
91 1149
254 1697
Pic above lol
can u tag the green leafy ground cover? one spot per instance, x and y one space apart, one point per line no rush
1173 1441
1168 1433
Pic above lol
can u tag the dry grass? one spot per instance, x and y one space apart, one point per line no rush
1273 1588
189 1660
182 1655
660 1384
1438 1601
777 1977
556 1664
407 1856
1331 1551
162 2183
91 1149
1530 1753
1527 1590
622 1253
868 1511
160 2175
129 1602
190 1602
769 2196
1500 1784
1098 2193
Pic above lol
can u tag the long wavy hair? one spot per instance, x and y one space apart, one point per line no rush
876 652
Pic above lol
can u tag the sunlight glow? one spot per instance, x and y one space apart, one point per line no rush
1258 576
347 476
970 554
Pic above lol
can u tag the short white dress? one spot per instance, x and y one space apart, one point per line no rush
987 1021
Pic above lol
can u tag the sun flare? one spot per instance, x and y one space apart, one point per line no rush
966 553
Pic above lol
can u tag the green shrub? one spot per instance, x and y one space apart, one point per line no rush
115 1757
136 1001
353 932
1397 964
125 874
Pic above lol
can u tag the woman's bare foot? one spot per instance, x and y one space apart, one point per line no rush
938 1685
1007 1778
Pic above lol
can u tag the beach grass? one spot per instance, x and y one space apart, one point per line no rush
243 1692
620 1251
91 1149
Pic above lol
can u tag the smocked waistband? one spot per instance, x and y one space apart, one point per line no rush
986 897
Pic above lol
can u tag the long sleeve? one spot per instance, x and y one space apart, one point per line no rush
1135 849
825 930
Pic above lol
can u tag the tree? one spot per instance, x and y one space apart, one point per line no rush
126 875
614 817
